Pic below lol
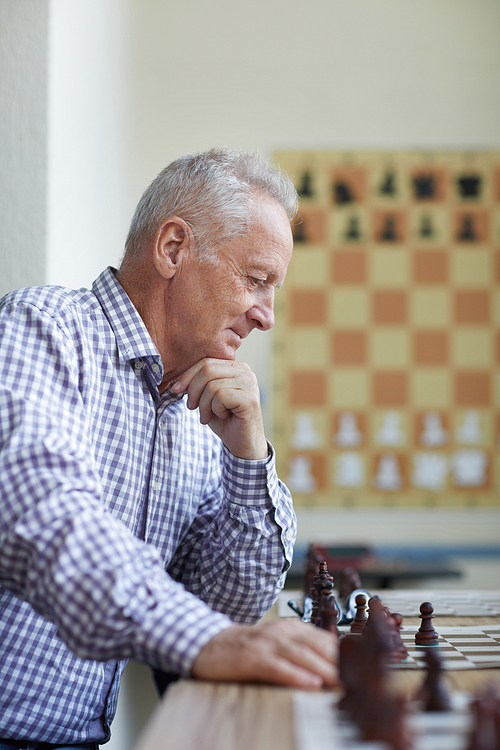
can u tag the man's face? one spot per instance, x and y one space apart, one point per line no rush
212 307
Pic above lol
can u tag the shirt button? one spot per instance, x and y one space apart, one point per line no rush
155 367
156 486
289 536
138 364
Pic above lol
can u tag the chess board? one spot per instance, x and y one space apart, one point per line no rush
461 647
461 603
386 385
318 724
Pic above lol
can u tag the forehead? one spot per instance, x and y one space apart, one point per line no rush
269 239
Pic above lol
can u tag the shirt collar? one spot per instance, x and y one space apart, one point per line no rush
132 336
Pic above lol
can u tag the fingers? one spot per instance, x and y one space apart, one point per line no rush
283 653
227 395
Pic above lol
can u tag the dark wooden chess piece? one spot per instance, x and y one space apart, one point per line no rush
388 233
426 635
328 612
485 733
360 618
399 652
349 581
433 694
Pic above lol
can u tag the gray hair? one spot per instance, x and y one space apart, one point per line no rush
214 193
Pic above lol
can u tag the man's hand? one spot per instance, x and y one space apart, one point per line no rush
284 652
227 395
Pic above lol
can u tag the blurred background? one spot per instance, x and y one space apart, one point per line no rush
96 96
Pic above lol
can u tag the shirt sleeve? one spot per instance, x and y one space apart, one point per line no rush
239 547
106 591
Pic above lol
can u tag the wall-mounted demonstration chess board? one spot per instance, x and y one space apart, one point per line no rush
386 387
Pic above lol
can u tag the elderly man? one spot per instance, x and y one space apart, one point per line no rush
141 515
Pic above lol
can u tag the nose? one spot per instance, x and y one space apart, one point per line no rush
262 313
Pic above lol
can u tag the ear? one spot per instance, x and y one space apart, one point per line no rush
174 241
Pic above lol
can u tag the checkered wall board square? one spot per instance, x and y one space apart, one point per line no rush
386 386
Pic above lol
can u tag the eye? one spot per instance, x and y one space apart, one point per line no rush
257 282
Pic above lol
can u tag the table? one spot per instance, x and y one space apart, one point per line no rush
197 715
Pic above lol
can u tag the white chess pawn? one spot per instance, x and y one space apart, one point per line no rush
305 435
300 478
350 472
348 435
469 431
388 476
433 434
390 433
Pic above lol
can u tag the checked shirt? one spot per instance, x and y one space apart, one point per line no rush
126 527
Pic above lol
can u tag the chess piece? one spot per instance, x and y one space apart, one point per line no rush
300 478
388 476
342 193
388 233
350 470
305 435
429 471
426 230
349 581
467 232
360 618
353 231
426 635
433 693
388 186
304 189
399 652
328 612
469 467
469 431
390 432
433 434
485 733
348 435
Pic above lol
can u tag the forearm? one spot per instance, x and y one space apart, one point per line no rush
237 563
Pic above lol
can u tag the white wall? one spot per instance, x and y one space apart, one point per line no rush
90 138
23 142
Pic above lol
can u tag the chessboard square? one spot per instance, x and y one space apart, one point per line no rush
389 307
431 347
390 348
350 388
349 184
349 307
349 267
307 472
307 388
309 349
471 225
349 347
472 348
472 306
348 226
429 225
390 388
472 388
431 388
430 307
430 267
310 225
471 268
389 267
308 307
308 269
429 183
389 226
